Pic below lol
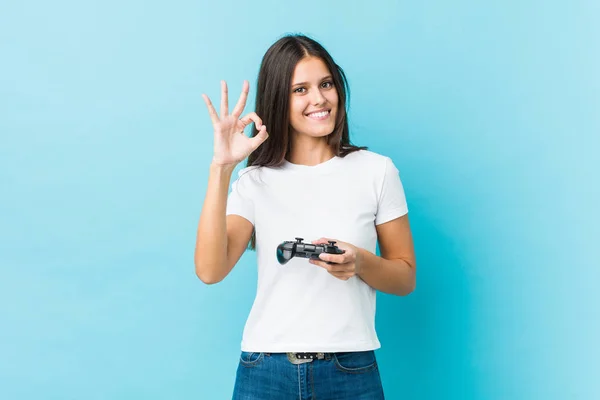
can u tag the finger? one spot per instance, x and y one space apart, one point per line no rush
322 240
224 100
260 137
241 104
334 258
321 264
252 117
211 110
340 268
332 267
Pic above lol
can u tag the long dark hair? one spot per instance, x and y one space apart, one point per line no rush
273 98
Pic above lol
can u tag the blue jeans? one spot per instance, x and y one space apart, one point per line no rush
271 376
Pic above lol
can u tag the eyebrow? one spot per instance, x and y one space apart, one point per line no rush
304 83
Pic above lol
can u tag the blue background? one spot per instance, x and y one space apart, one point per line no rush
490 111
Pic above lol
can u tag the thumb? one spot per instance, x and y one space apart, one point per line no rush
260 137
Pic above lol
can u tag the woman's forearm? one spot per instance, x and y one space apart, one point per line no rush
210 255
396 276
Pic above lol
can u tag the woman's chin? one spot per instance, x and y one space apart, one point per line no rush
317 133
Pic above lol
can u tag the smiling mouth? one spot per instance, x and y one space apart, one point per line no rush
321 115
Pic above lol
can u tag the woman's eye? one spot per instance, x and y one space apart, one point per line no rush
325 85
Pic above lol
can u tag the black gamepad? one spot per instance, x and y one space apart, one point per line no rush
289 249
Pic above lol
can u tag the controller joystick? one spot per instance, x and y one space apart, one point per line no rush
288 249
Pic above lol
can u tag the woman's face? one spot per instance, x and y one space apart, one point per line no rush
313 99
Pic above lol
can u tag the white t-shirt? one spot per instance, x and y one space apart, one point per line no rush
300 307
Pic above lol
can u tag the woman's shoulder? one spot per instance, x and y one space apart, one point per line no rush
252 170
250 176
366 158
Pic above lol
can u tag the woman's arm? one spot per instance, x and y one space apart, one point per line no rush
394 272
221 239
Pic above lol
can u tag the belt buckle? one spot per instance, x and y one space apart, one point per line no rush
295 360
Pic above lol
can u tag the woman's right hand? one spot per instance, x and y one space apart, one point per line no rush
231 145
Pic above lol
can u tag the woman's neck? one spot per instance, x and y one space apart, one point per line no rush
309 151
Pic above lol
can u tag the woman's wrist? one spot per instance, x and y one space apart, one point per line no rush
222 168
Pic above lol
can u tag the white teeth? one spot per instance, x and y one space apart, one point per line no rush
319 114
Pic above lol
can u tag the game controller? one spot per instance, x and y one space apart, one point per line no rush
289 249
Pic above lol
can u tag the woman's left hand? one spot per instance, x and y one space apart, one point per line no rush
342 266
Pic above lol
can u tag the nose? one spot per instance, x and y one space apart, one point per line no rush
317 97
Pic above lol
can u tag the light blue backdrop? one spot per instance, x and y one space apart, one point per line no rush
490 110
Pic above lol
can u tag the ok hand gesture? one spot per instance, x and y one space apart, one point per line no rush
231 145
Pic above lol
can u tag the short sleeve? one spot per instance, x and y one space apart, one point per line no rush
239 201
392 200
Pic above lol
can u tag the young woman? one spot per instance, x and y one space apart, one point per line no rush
310 333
